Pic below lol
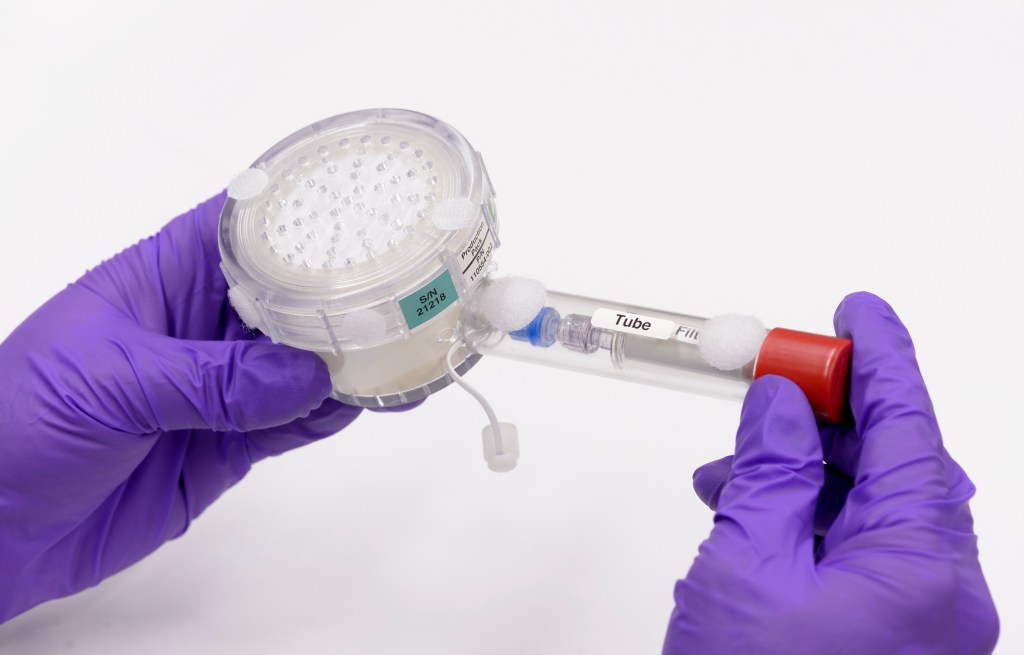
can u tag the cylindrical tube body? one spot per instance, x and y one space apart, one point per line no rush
615 340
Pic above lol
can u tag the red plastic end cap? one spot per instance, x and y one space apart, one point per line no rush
819 365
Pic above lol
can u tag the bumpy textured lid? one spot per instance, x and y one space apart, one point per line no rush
347 213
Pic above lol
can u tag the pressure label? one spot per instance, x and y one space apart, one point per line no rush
429 300
477 252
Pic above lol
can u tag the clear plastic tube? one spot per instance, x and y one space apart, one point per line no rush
614 340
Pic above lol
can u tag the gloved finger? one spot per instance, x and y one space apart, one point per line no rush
766 509
709 481
900 465
324 421
189 261
180 265
831 500
195 291
233 385
961 490
841 446
213 463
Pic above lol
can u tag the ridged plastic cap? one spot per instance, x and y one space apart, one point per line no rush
501 452
818 364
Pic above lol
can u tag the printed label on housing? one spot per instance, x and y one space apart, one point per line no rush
476 253
429 300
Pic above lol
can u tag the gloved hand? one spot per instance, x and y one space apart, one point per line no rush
897 569
128 403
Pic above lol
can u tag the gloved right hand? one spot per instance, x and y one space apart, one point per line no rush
896 571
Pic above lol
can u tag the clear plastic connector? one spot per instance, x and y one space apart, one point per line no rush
598 337
717 357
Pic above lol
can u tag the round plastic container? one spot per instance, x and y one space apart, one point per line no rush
360 237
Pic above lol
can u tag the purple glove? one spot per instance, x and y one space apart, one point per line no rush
896 571
128 403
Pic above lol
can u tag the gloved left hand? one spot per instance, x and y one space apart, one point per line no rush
128 403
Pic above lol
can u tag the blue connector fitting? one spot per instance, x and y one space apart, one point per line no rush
542 330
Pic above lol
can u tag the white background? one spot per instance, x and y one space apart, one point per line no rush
758 157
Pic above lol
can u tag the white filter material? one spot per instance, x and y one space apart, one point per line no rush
248 184
510 303
246 308
364 326
731 341
454 214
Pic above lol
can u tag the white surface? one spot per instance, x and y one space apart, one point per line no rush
757 157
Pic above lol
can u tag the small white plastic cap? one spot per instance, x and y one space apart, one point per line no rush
504 458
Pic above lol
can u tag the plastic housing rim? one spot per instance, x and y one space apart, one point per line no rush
316 305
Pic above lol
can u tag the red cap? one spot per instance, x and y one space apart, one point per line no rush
819 365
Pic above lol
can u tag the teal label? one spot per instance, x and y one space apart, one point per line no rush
429 300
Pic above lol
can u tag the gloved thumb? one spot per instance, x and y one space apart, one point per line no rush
224 385
766 508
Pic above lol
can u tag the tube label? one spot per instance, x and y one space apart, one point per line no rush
687 333
646 326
